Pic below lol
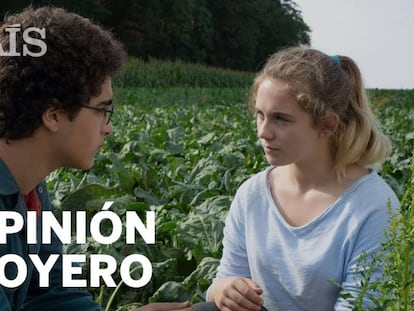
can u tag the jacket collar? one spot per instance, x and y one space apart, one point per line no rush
8 184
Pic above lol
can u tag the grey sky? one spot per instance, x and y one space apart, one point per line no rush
377 34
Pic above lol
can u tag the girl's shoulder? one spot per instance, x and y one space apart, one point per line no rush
258 180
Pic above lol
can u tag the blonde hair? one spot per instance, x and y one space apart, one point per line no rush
323 84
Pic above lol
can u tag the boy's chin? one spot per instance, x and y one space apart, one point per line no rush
82 166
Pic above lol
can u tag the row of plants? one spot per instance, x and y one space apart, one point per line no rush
163 74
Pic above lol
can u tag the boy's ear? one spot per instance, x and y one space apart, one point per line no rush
52 117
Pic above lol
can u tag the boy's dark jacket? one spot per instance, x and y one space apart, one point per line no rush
29 296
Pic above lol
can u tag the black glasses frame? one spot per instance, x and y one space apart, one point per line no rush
106 112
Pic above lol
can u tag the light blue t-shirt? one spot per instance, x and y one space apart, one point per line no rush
296 266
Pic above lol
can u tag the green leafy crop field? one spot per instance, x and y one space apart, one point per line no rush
182 151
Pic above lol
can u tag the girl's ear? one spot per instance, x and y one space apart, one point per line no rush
332 122
330 125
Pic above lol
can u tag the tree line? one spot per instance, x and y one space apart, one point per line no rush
236 34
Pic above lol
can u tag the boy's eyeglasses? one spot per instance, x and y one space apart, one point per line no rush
106 112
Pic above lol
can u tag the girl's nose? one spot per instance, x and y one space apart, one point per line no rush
264 130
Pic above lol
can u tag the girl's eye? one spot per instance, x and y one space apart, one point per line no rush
281 119
277 118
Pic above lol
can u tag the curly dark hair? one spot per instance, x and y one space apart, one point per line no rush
79 56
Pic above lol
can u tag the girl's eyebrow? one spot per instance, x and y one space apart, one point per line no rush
276 114
281 114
